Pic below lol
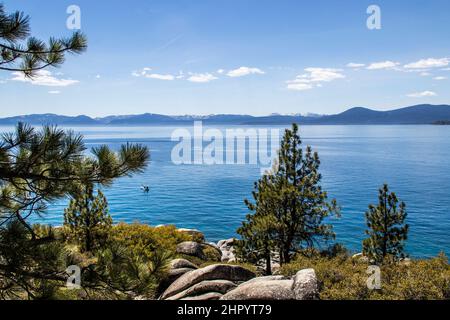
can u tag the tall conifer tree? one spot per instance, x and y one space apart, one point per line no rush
294 204
88 219
387 229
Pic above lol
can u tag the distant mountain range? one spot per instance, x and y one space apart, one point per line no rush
420 114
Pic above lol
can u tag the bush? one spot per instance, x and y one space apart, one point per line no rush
342 277
144 239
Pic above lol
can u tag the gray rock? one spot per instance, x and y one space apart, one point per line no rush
215 254
220 286
182 263
228 256
191 248
262 290
266 278
204 297
212 272
306 286
228 243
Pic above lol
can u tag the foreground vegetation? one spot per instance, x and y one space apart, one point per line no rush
344 277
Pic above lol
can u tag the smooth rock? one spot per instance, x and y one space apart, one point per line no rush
306 286
212 272
220 286
182 263
228 256
262 290
266 278
190 248
205 297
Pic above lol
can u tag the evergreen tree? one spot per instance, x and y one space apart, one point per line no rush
387 229
20 52
257 233
290 203
88 220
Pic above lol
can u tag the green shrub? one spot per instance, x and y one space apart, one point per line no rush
342 277
144 239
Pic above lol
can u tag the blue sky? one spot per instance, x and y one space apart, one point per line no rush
237 56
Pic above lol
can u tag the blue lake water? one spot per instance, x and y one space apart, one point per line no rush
356 161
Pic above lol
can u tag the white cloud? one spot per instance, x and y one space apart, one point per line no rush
383 65
201 77
220 71
54 92
423 94
355 65
425 74
440 78
428 63
43 78
299 86
314 78
98 76
145 72
244 71
168 77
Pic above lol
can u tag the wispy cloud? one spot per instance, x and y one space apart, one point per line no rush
244 71
314 78
157 76
43 78
54 92
355 65
145 72
383 65
201 77
422 94
440 78
428 63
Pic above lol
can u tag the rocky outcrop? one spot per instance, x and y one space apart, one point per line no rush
203 251
190 248
177 268
204 287
205 297
189 280
227 250
262 290
229 282
181 263
303 286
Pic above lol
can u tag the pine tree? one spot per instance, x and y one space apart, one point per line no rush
88 220
387 229
257 238
290 203
19 52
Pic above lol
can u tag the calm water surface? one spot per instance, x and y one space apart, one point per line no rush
356 161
